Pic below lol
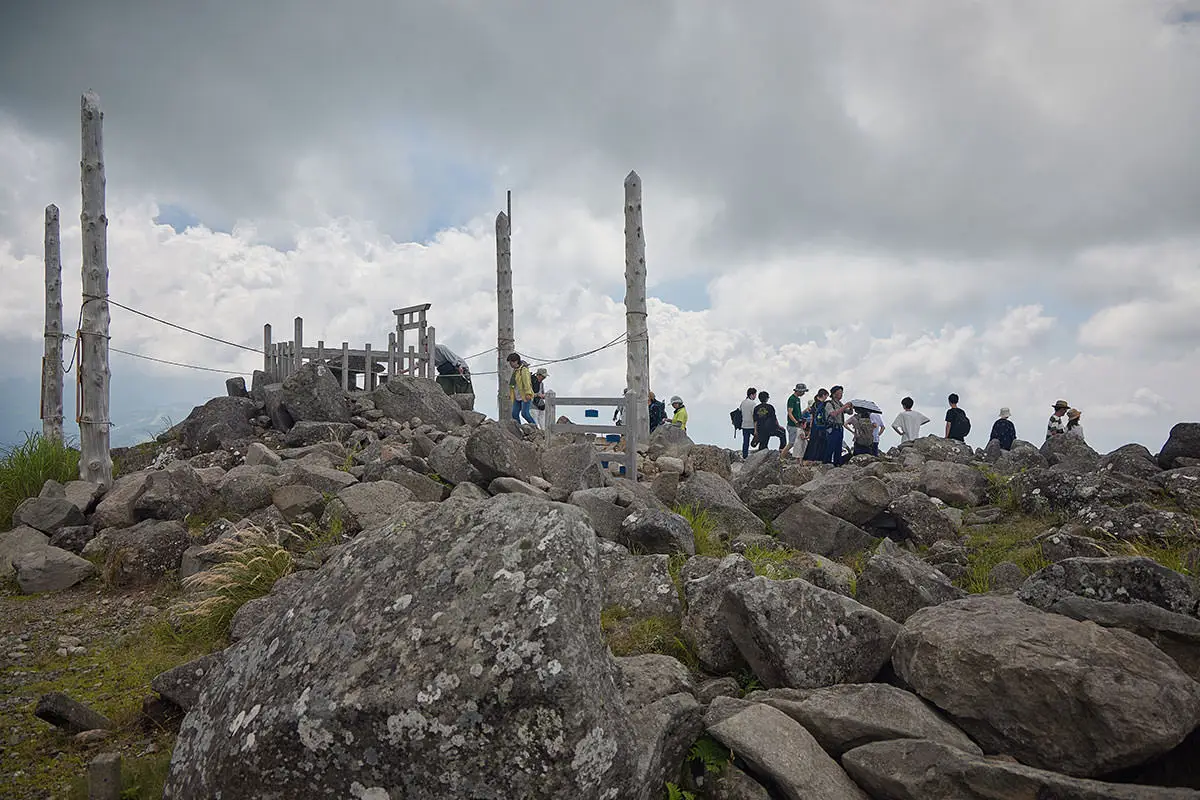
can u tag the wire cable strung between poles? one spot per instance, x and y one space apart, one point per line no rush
537 362
166 361
112 302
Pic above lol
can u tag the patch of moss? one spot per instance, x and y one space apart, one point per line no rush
1011 540
776 563
628 636
1002 490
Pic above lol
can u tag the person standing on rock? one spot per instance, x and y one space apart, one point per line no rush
520 389
796 417
537 381
1003 431
658 411
818 430
1057 425
766 423
863 429
747 411
680 417
1074 426
835 414
908 422
958 424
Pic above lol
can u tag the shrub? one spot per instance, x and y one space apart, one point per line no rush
250 565
704 531
24 468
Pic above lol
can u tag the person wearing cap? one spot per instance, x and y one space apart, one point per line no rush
680 417
1003 431
1074 426
520 389
796 417
1058 420
539 395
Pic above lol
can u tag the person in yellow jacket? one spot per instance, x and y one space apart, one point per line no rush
681 415
520 389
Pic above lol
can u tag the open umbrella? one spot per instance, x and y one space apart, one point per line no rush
866 405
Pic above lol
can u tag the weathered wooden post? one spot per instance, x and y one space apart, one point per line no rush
345 366
391 373
268 354
431 339
637 346
297 344
95 463
505 337
369 369
52 373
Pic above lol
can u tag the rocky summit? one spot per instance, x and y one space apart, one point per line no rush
430 604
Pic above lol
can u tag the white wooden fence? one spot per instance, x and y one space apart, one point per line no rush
629 432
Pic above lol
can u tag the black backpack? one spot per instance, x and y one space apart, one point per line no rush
735 417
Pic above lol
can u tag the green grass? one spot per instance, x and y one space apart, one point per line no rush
141 778
1002 490
1011 541
774 563
1171 554
634 637
24 468
252 563
704 531
675 570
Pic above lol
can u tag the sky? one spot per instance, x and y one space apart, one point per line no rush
997 198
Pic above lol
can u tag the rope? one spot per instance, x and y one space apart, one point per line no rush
179 327
157 360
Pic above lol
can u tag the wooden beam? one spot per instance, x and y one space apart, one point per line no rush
637 344
52 372
505 335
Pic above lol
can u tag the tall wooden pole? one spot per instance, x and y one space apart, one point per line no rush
95 464
52 373
637 348
505 338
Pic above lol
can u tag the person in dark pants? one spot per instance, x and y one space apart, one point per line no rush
658 411
747 408
1003 431
817 442
958 425
835 413
766 423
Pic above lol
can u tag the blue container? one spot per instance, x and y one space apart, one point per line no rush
603 465
622 470
592 413
612 438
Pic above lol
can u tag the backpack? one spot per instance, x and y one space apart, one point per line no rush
735 417
966 425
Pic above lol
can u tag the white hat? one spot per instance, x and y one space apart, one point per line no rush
1005 413
676 399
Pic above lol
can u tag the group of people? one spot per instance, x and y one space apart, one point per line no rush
820 427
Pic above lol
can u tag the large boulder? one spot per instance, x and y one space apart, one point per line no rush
403 399
312 394
497 454
709 458
73 538
1137 522
47 514
244 489
309 432
1063 488
938 448
853 714
573 467
608 507
808 528
640 586
705 491
797 635
954 484
779 748
1072 452
1121 579
182 684
921 520
218 423
364 506
1020 457
857 500
449 461
759 471
703 625
771 501
50 569
1183 442
1182 486
914 769
145 553
899 584
669 440
654 531
171 493
1055 693
116 508
277 413
422 486
18 542
417 662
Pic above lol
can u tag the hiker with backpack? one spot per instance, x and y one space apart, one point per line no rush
766 424
818 430
835 414
537 381
742 418
863 429
958 424
658 411
520 389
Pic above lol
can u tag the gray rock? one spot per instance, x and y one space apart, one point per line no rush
258 453
663 732
423 487
115 509
1057 694
760 470
306 432
771 501
182 684
18 542
669 440
1182 442
73 538
666 488
708 492
711 689
607 509
366 506
474 644
703 625
402 399
328 480
915 769
311 393
954 484
469 491
236 387
1183 486
1006 577
899 584
794 634
1064 489
709 458
295 500
1132 459
449 460
144 553
273 397
84 495
50 569
850 715
1059 544
937 448
47 514
573 467
653 531
857 500
1022 456
776 746
808 528
276 603
498 455
921 520
641 585
218 423
1121 579
648 678
1071 451
733 784
71 715
171 493
243 490
514 486
1137 522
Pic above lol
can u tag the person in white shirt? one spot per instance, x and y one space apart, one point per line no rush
877 421
748 405
908 422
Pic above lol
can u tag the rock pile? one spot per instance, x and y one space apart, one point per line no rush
493 615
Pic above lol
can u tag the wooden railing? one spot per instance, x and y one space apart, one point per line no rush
629 432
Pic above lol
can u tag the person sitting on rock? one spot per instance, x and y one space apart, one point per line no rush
1003 431
680 417
1058 420
766 424
1074 426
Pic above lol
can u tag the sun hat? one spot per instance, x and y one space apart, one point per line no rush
676 399
1005 413
1061 404
1074 413
801 388
541 373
